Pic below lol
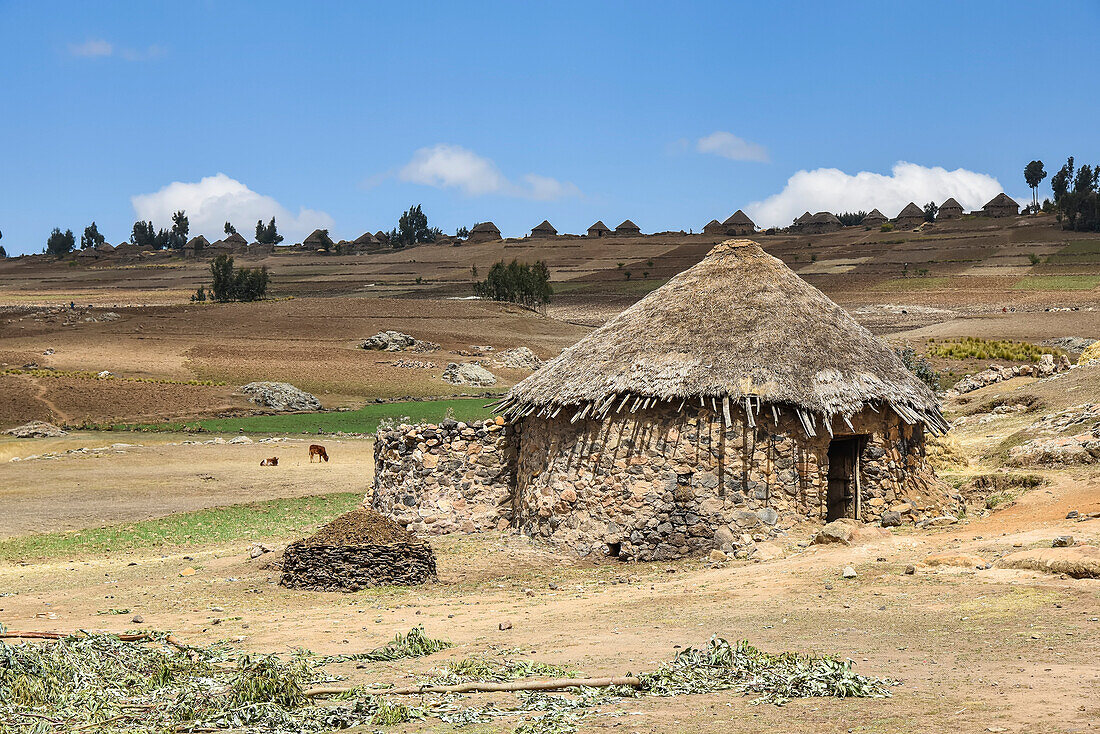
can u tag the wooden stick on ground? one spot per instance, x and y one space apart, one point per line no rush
141 637
487 687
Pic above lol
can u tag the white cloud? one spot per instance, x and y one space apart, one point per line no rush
91 48
215 200
452 166
730 146
99 48
830 189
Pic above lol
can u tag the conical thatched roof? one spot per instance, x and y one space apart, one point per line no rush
485 228
806 216
197 243
365 239
823 218
951 204
105 247
1001 200
739 218
910 211
544 227
874 216
381 236
318 238
599 226
236 239
628 226
739 325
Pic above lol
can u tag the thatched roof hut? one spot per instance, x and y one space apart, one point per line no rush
236 242
739 223
382 237
735 386
364 240
739 327
599 229
909 217
544 229
713 227
484 232
1001 205
806 216
197 243
318 238
628 229
105 247
949 209
874 219
820 222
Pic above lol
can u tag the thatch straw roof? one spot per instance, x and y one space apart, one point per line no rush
1001 200
544 227
911 211
806 216
599 226
105 247
318 238
365 239
713 226
628 226
734 331
381 236
485 228
739 218
236 240
874 216
197 243
823 218
951 205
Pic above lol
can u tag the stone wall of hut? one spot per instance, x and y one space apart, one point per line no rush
436 479
663 484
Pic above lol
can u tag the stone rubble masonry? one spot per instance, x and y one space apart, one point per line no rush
436 479
351 568
1045 367
652 485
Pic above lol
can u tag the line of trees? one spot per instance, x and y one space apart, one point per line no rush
267 234
851 219
527 285
1077 196
412 229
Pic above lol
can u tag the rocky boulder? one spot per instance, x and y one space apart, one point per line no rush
395 341
280 396
520 358
1080 562
468 373
848 532
36 429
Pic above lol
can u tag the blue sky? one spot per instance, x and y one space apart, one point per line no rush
344 114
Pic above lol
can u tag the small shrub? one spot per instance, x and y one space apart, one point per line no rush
1033 258
919 366
972 347
887 227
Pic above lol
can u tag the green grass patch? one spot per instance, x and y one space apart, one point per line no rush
913 284
364 420
1079 251
972 347
1057 283
271 519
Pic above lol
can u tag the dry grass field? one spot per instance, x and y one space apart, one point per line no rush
98 522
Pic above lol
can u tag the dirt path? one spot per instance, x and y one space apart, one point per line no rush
59 415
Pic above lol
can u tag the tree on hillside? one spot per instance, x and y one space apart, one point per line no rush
412 229
462 233
527 285
143 235
267 234
851 219
229 229
1078 207
930 210
1033 175
91 237
60 243
177 238
3 252
237 284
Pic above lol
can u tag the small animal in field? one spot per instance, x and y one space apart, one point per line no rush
318 451
273 461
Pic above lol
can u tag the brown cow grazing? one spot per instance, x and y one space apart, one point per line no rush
318 451
273 461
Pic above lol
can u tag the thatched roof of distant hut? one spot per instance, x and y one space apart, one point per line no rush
736 330
381 236
951 204
197 243
485 228
823 218
1001 201
628 226
806 216
874 217
318 238
739 218
236 240
911 211
713 226
105 247
365 239
544 228
599 226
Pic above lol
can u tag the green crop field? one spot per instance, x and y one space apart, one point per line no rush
364 420
1057 283
273 519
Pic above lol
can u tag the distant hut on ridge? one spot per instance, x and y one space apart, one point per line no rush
910 217
544 229
599 229
874 219
484 232
714 227
820 223
628 229
739 224
318 239
949 209
1001 205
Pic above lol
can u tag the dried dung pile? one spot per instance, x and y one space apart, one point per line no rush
359 549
